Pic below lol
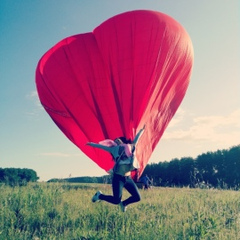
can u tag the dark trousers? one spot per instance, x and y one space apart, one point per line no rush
118 183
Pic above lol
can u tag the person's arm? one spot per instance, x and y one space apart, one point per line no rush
138 135
96 145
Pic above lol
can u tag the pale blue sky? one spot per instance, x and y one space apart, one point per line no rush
208 119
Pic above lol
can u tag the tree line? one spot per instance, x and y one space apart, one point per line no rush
17 176
102 179
219 169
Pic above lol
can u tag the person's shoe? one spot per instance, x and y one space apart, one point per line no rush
122 207
95 198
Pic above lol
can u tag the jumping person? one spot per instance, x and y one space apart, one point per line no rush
122 151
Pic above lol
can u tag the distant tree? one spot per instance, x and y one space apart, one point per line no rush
219 168
186 171
232 167
173 170
11 176
153 170
212 169
1 175
17 176
158 172
205 166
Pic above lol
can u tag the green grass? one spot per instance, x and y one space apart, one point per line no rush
65 211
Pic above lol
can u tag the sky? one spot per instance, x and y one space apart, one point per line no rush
207 120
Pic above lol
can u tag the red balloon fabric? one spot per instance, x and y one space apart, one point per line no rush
133 69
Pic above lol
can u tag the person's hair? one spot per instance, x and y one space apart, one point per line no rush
125 140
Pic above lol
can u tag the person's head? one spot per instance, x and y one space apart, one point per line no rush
122 140
118 141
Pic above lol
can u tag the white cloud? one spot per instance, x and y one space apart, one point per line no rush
33 96
178 117
219 129
37 106
232 119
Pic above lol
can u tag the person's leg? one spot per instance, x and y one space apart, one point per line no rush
133 190
117 187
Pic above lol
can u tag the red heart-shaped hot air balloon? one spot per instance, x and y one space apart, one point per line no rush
133 69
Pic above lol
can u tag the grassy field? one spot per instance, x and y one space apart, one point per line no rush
65 211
